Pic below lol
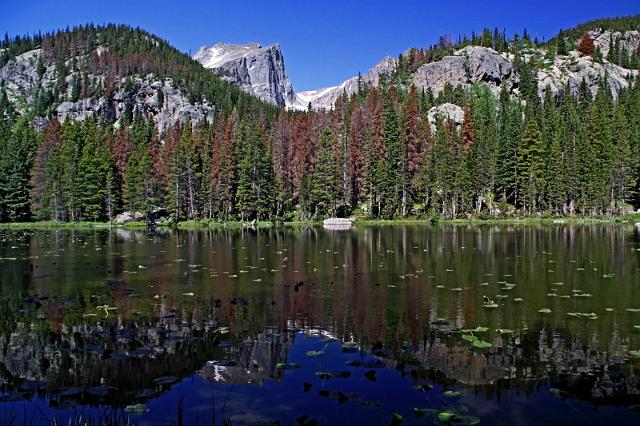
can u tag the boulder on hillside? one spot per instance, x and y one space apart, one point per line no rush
445 112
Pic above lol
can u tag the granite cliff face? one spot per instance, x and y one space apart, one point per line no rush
261 71
255 69
467 66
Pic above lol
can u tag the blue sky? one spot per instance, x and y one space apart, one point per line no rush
323 41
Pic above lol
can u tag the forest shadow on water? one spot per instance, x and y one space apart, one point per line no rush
398 324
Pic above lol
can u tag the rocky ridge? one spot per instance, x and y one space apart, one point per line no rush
158 99
253 68
468 66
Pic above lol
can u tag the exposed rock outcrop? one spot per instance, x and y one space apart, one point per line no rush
569 71
253 68
445 112
22 83
472 64
629 40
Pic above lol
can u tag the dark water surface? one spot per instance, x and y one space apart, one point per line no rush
505 325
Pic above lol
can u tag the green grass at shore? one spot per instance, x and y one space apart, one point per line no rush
204 224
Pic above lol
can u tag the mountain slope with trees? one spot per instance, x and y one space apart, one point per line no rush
385 151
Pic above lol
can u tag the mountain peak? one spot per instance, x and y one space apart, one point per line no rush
255 69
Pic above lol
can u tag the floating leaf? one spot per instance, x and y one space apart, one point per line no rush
424 387
544 311
504 330
324 375
451 394
476 330
315 354
490 305
481 344
287 366
137 409
633 310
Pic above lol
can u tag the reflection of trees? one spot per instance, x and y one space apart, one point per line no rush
127 356
371 284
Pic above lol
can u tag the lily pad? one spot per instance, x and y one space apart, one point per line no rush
481 344
315 354
137 409
544 311
287 366
476 330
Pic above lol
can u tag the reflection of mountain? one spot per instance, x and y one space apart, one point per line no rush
121 361
527 361
252 360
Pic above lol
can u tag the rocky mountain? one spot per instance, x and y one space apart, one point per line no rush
111 73
91 81
325 98
255 69
159 99
261 71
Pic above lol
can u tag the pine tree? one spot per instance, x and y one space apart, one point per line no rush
586 46
94 173
412 149
393 168
15 166
325 179
531 166
40 201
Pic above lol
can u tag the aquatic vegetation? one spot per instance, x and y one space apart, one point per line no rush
137 409
202 335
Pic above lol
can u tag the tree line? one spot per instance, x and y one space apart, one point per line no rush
375 154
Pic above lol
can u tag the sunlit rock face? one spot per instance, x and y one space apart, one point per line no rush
151 97
253 68
467 66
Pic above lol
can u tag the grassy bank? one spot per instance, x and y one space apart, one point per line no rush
205 224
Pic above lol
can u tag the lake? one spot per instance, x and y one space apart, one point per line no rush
394 324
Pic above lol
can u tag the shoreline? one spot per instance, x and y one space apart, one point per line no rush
200 224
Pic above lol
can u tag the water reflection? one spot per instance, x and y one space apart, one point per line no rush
117 317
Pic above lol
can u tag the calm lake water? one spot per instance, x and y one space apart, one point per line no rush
505 325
